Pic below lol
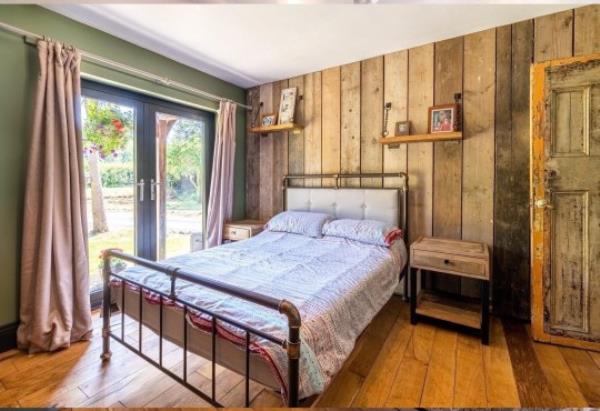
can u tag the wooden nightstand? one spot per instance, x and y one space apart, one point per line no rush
453 257
241 229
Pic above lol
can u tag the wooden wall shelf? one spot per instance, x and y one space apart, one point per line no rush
420 138
293 127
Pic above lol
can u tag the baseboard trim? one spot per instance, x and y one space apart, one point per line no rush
8 337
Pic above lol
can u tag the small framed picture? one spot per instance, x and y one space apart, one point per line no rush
443 118
403 128
287 105
268 119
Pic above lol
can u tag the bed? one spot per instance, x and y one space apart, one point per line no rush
232 297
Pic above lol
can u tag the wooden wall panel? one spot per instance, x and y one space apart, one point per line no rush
350 117
395 91
554 36
447 155
312 127
478 141
331 122
280 152
371 119
519 267
253 156
296 140
266 157
476 189
503 223
420 155
447 177
587 30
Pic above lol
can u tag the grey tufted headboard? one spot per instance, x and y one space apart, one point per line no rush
384 204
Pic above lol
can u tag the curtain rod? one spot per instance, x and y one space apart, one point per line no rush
31 38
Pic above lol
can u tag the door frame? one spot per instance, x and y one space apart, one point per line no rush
146 106
151 108
90 89
538 202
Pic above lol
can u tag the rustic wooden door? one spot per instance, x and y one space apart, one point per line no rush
565 201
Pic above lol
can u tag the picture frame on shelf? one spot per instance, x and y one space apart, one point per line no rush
443 118
268 120
287 105
402 128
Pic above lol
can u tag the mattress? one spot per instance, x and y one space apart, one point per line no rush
338 285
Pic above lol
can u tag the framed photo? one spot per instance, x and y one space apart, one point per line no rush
403 128
268 119
443 118
287 105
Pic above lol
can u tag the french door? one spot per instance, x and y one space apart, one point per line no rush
146 166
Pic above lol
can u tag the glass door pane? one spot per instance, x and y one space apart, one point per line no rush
109 146
180 185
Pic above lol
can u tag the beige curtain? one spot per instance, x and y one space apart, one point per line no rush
55 301
220 199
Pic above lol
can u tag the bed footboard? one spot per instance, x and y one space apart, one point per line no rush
291 344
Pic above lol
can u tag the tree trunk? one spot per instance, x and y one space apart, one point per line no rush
197 182
98 213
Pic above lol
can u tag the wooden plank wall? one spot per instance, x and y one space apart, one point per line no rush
477 189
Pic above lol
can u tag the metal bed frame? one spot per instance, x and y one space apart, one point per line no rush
291 344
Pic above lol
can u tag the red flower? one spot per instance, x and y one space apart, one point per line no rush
118 125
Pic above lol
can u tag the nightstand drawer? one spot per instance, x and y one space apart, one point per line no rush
235 233
449 263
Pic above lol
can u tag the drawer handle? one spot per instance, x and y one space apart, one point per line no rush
447 262
233 232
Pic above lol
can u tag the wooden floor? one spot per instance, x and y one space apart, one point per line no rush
393 365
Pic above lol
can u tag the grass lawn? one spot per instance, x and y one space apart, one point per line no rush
123 239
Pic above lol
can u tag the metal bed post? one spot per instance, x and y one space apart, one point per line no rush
106 301
406 275
293 350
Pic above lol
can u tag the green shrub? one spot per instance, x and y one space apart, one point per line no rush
117 174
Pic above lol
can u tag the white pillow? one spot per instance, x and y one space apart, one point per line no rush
299 222
366 231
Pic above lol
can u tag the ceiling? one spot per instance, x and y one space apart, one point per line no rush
251 44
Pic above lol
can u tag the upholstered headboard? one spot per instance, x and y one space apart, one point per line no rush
384 204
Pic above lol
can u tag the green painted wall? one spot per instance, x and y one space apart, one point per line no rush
18 72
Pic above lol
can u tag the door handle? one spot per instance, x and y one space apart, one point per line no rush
141 190
153 185
543 203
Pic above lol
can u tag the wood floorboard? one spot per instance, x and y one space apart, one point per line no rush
8 366
562 384
588 377
394 364
267 399
531 382
342 391
52 396
376 387
498 370
596 357
470 388
407 387
440 381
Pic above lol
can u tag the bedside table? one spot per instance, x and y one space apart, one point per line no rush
241 229
454 257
